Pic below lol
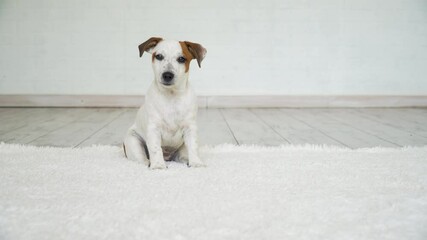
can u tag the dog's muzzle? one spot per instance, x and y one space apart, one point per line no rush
167 78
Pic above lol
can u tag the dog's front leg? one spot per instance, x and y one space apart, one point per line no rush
190 140
154 148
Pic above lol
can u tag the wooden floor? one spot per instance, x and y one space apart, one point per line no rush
353 128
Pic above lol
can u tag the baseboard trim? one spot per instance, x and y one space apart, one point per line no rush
215 101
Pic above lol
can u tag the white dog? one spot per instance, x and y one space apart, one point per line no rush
165 127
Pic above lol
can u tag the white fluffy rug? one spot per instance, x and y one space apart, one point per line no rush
246 192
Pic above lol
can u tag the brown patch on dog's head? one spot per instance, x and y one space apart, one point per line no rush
192 51
153 56
187 55
149 44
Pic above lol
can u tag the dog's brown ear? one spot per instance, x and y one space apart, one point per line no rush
197 50
147 45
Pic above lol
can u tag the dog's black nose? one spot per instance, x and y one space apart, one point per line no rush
167 77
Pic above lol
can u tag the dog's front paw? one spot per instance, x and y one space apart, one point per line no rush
157 165
196 163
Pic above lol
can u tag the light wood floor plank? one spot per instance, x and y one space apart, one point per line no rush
347 127
403 120
388 133
212 128
37 127
295 131
34 132
114 132
418 115
75 132
23 117
6 111
342 132
249 129
16 113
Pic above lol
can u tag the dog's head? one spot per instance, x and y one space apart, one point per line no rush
171 59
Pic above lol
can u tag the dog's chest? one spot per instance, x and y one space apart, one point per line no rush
172 134
172 126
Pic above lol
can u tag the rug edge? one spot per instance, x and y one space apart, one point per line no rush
227 147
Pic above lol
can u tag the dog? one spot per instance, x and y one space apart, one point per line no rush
165 127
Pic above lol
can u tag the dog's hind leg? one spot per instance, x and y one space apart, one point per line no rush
181 154
135 147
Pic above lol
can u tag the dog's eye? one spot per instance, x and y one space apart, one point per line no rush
159 57
181 59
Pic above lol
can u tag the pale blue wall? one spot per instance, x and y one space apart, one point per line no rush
318 47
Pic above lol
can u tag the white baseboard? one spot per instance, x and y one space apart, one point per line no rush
215 101
316 101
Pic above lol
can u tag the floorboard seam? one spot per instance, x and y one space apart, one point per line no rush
321 131
229 128
389 124
274 130
118 115
359 129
